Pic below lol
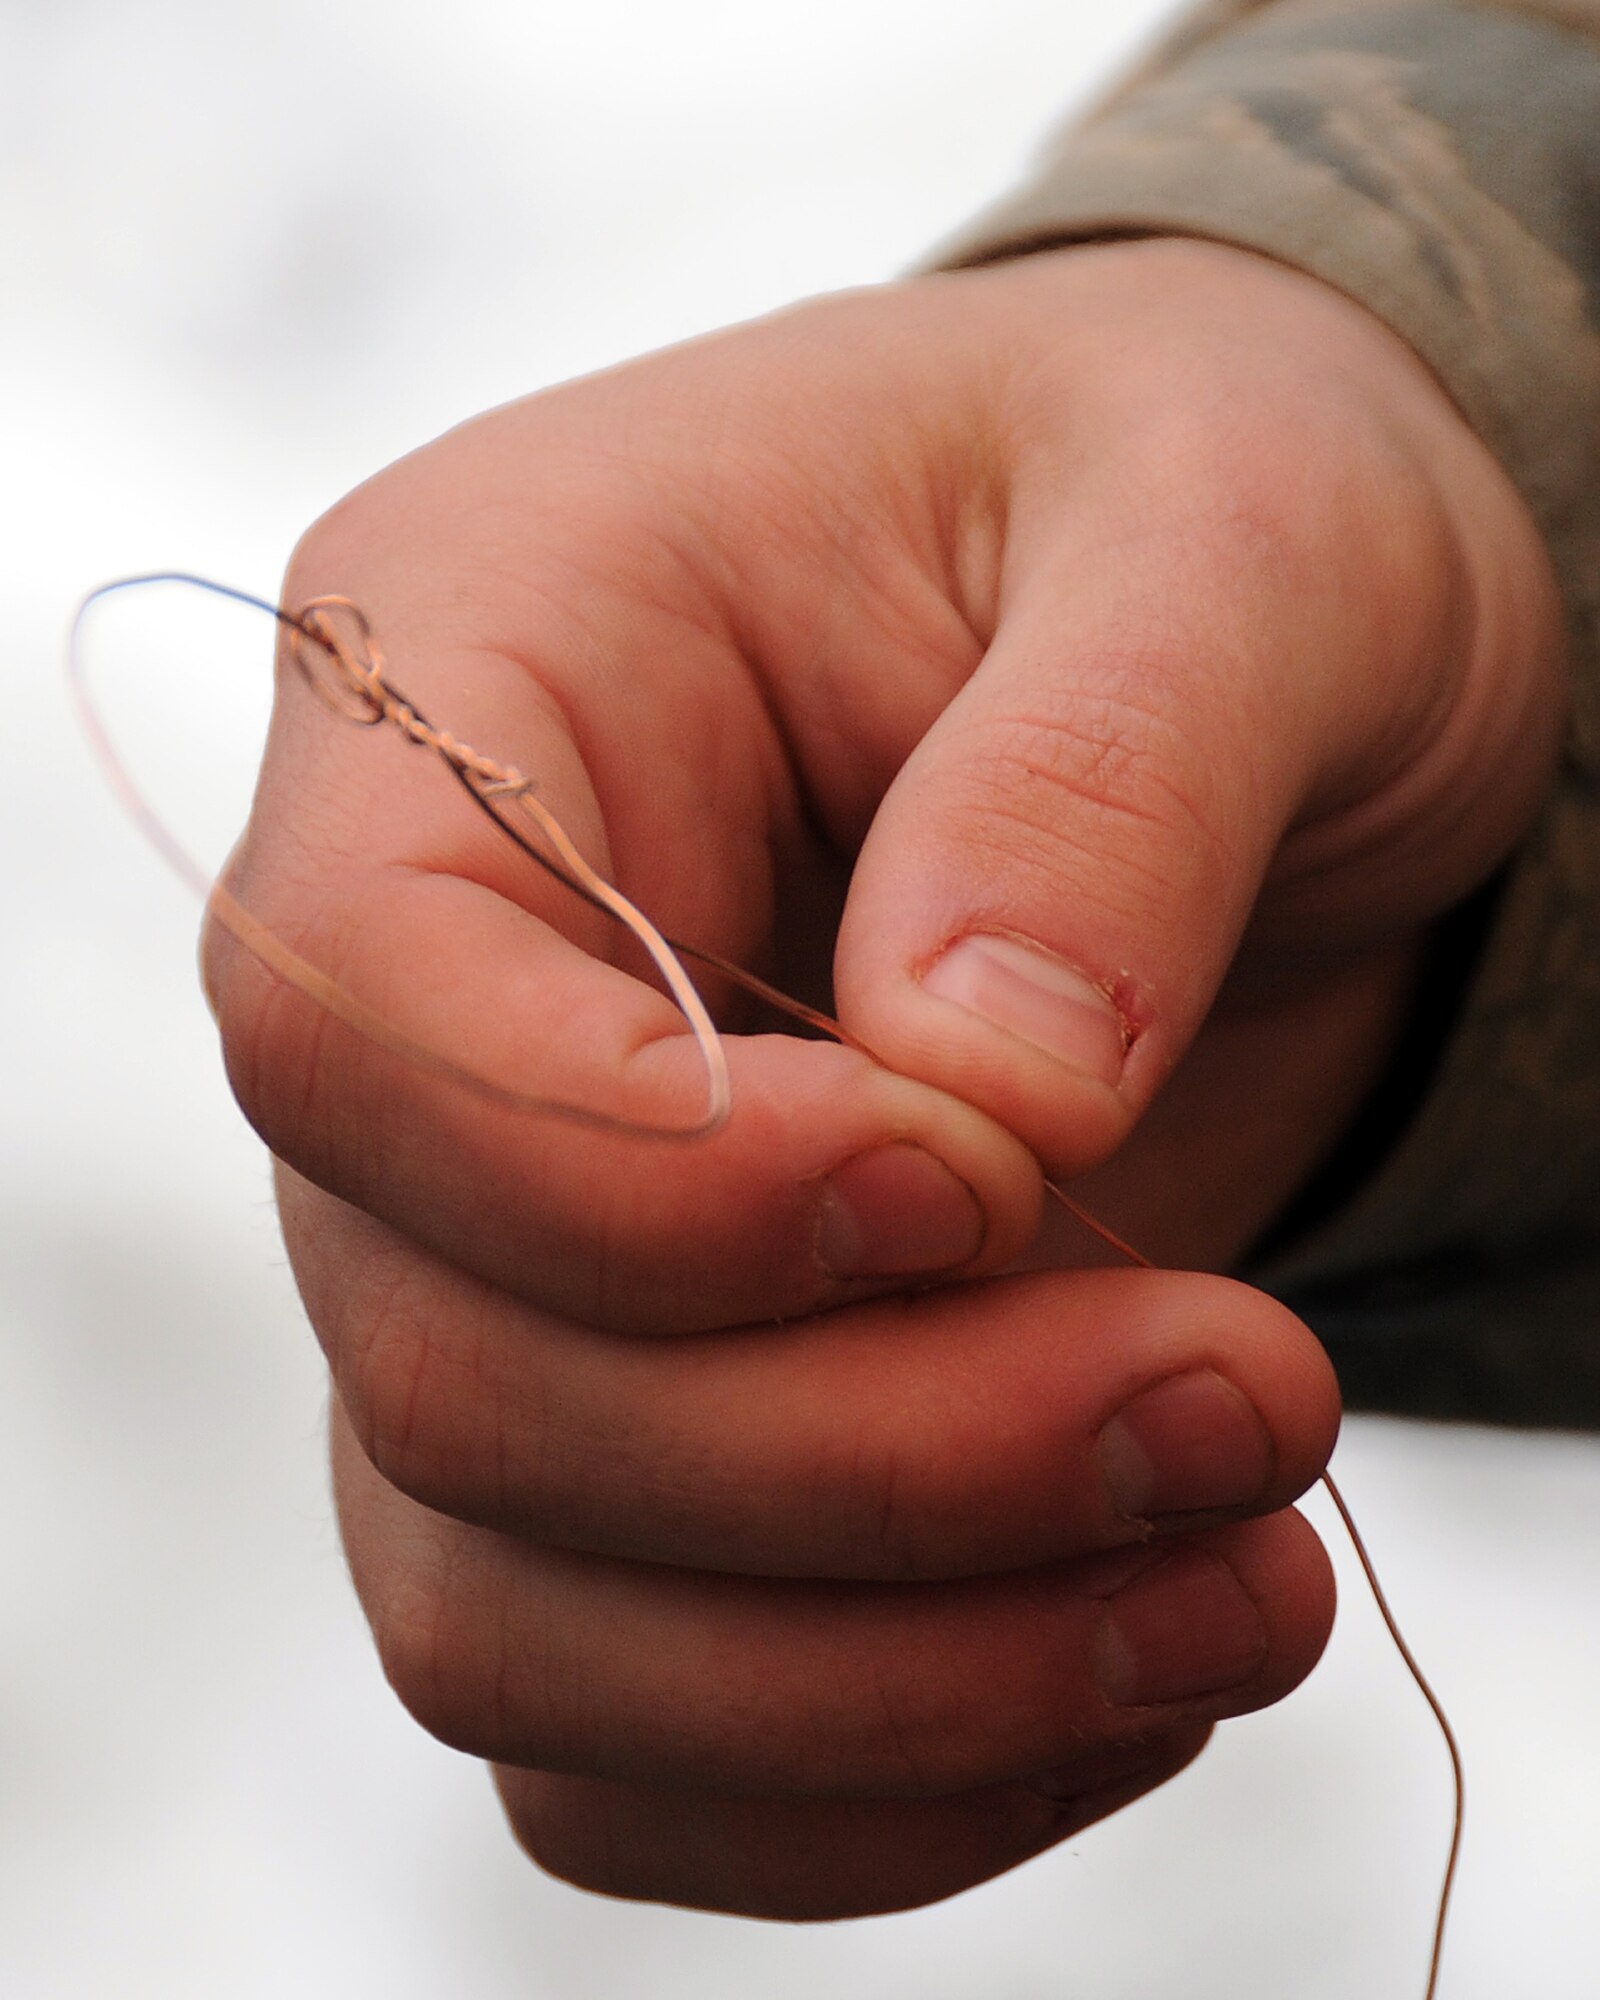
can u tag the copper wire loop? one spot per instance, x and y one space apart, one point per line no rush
360 695
353 688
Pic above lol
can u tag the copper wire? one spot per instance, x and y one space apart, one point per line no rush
1391 1625
359 693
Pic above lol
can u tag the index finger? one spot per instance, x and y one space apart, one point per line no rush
830 1176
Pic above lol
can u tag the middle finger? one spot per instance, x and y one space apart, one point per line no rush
977 1428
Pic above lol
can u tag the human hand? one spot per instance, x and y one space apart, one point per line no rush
1149 603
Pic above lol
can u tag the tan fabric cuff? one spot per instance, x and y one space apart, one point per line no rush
1439 163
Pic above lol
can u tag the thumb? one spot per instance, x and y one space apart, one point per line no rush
1269 612
1056 882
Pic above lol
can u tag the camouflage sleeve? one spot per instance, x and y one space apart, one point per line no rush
1440 163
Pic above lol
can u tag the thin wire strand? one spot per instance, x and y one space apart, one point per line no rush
1457 1771
365 696
1391 1625
370 699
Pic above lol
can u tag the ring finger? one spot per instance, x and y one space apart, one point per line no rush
655 1675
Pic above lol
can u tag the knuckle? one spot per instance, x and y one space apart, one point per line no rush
458 1669
389 1369
1113 774
577 1830
1300 500
286 1065
434 1666
342 532
417 1381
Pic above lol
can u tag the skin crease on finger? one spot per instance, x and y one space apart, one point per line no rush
680 1683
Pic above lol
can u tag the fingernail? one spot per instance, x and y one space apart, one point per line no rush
1183 1629
1187 1444
1036 996
894 1213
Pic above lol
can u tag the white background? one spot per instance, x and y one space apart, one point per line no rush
246 255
